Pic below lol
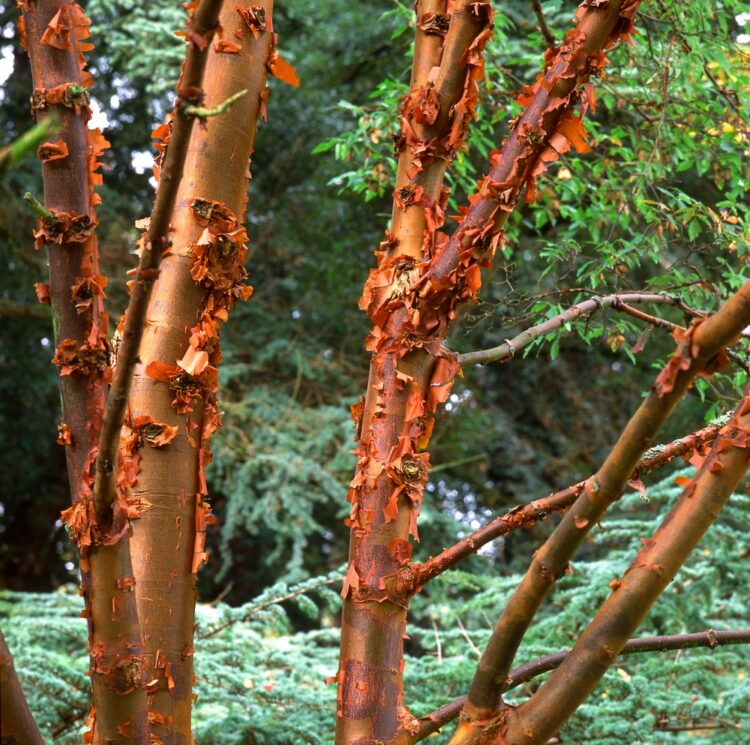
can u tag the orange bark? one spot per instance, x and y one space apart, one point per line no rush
699 350
632 596
56 34
175 384
396 415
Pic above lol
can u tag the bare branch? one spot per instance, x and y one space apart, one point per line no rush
511 347
697 351
636 591
543 27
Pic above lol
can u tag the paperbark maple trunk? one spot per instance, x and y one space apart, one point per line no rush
412 298
386 491
175 383
17 725
55 34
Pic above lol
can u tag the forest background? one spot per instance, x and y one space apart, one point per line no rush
659 204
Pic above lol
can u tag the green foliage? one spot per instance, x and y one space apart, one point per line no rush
658 204
257 682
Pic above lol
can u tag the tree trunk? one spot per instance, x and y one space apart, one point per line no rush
17 725
55 34
396 414
175 384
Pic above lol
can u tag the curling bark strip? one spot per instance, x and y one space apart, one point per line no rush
201 26
526 515
17 723
55 34
175 383
699 351
632 596
396 415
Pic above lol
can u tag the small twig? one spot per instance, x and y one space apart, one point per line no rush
466 636
666 726
438 645
12 309
512 346
200 112
267 604
458 462
37 207
543 27
12 154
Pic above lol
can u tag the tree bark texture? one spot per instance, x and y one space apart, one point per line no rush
412 297
173 394
395 415
55 34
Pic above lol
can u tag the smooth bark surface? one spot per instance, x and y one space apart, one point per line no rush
635 592
699 349
17 725
173 407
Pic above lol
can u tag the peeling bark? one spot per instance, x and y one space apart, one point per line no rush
404 390
55 34
175 384
526 515
412 298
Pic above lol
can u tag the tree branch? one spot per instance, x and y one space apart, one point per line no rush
511 347
527 515
201 26
543 27
25 145
436 720
697 350
636 591
17 723
13 309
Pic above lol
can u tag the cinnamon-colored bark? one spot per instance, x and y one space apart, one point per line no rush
412 299
55 34
17 725
173 394
699 349
632 596
396 413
